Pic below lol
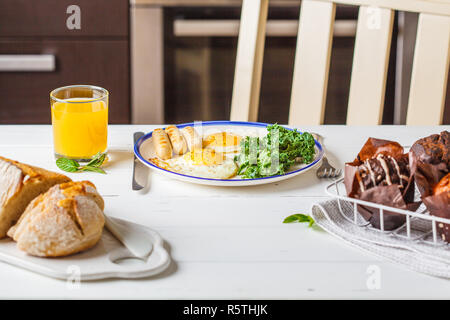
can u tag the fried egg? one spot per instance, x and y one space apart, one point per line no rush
222 142
204 163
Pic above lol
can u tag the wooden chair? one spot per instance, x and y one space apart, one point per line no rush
370 61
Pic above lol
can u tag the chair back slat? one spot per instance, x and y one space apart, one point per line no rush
370 61
430 71
249 59
370 65
312 62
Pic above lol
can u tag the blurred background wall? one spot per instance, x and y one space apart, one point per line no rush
173 61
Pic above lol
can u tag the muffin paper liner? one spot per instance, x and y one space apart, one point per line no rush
428 172
390 195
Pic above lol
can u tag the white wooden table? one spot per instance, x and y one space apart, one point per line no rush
225 242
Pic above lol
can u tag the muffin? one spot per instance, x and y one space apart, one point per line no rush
429 161
381 174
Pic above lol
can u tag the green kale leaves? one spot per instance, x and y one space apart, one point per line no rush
275 153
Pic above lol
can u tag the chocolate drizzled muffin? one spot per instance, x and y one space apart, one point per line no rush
383 170
381 174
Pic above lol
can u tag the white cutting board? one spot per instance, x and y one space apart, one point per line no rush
107 259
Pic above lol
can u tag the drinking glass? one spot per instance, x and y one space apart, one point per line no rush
80 121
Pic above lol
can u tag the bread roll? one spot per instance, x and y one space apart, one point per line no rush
19 184
176 138
162 145
66 219
194 141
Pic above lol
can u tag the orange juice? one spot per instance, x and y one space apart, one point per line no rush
80 127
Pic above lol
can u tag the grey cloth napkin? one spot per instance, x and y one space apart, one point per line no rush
417 252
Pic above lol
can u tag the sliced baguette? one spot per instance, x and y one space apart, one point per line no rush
66 219
19 185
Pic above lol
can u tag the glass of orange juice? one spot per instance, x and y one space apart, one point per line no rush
80 121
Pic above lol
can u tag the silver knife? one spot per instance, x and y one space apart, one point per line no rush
135 185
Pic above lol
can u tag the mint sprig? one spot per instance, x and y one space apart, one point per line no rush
299 217
92 169
70 165
97 161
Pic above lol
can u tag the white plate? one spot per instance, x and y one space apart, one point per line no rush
144 150
107 259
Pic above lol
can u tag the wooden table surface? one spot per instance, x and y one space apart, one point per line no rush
225 242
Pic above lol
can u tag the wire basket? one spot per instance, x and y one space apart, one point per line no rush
419 227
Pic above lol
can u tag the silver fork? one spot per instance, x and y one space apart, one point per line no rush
326 170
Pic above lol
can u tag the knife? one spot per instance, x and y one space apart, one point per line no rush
135 185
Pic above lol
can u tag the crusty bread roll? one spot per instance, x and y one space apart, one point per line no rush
66 219
176 138
162 145
19 184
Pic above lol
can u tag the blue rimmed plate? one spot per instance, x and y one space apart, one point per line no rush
143 149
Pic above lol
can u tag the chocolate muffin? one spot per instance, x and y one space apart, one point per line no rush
433 149
383 170
429 161
443 185
439 205
381 174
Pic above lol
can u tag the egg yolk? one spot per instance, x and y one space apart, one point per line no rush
222 139
204 157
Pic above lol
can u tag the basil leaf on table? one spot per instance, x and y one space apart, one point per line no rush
299 217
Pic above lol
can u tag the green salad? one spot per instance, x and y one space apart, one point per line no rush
275 153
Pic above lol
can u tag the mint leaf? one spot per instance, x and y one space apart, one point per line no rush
299 217
68 165
93 169
97 160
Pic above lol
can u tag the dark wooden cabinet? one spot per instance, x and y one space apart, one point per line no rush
97 54
25 95
48 18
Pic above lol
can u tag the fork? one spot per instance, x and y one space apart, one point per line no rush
326 170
